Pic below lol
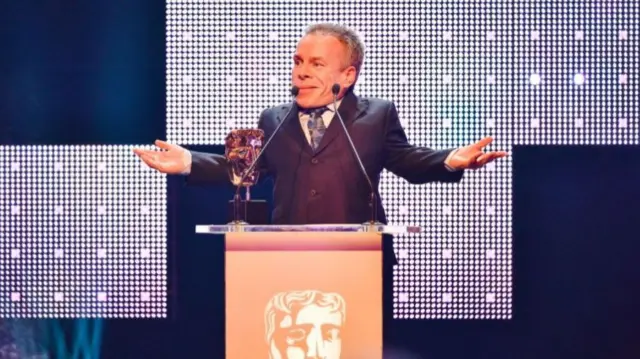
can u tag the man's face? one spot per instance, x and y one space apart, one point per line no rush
319 62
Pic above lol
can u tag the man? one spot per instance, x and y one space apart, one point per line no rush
316 176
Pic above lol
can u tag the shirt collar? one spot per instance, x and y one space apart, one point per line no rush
329 106
333 108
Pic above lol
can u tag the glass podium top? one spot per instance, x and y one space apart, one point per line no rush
366 227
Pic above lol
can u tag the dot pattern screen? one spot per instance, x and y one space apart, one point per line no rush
83 233
524 72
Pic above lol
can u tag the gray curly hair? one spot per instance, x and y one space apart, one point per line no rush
347 36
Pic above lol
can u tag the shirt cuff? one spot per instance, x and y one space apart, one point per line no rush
186 162
449 168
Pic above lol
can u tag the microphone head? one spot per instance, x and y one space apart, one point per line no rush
294 91
335 89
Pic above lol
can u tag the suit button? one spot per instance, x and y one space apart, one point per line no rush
314 161
313 192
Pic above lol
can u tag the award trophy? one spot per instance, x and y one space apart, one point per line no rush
242 147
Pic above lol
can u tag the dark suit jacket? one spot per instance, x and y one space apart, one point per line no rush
328 186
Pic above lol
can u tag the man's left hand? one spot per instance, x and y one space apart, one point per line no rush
472 156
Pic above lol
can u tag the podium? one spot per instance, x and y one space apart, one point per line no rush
303 291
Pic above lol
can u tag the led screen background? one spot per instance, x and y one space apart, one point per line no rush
524 72
83 228
83 233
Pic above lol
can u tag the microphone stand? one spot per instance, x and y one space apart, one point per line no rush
236 198
373 223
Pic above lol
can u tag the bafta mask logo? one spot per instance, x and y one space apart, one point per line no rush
305 324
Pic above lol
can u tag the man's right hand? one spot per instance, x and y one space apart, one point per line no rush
174 160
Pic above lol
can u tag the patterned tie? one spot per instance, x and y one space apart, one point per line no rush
316 125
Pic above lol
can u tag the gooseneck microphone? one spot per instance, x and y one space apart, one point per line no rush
294 93
335 89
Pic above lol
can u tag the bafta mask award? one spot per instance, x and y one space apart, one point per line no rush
242 147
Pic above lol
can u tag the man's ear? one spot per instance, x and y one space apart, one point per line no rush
349 76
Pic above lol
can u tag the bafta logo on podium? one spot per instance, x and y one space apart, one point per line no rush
305 324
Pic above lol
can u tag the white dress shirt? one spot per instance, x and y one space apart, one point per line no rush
327 116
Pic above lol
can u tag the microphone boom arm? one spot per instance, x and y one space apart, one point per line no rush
236 197
335 89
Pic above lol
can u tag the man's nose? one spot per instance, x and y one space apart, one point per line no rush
315 345
301 72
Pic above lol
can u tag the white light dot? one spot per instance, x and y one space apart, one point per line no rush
447 35
534 79
490 122
579 35
144 210
58 297
102 166
102 253
58 253
535 35
404 35
58 210
491 166
491 79
447 253
102 210
403 253
15 297
15 253
491 297
491 210
231 79
273 80
187 123
403 297
187 80
403 210
578 79
403 79
447 210
622 123
447 79
145 253
145 296
102 297
491 253
623 35
446 122
491 35
15 166
58 166
187 36
447 297
231 36
579 122
624 78
15 210
535 123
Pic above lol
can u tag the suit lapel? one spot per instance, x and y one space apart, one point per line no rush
350 109
293 127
